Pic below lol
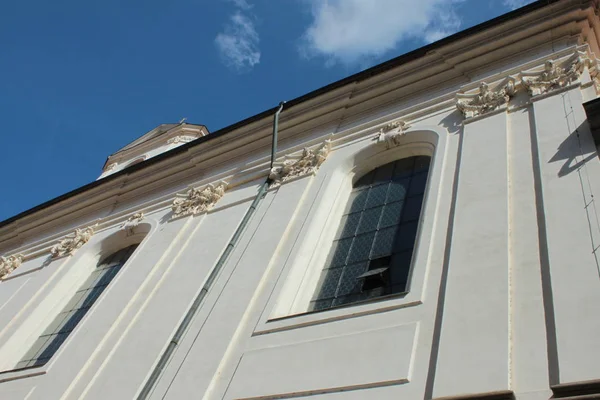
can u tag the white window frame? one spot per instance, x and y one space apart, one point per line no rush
331 188
71 272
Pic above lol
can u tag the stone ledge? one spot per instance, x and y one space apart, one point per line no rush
577 390
499 395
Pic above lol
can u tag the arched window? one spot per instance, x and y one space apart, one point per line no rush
372 250
65 322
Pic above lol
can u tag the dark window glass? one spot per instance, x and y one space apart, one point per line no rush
65 322
373 248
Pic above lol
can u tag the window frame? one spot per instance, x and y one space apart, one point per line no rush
102 265
398 226
64 277
328 191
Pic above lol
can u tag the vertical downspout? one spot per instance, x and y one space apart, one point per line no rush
191 312
274 139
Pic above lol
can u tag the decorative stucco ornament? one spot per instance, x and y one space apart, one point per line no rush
594 69
132 222
180 139
110 167
198 200
553 76
486 100
391 133
9 264
69 245
308 163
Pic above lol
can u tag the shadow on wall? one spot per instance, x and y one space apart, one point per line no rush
452 122
166 218
19 274
575 150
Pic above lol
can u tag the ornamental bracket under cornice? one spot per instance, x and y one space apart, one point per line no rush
555 74
9 264
484 99
594 69
391 133
133 221
181 139
72 243
308 163
198 200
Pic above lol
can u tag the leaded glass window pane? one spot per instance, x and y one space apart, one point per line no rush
369 220
372 251
361 247
77 307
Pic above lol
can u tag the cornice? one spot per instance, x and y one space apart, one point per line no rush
549 76
306 161
365 104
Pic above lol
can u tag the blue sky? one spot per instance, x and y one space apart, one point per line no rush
81 79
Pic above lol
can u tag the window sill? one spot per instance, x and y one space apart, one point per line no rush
337 313
341 306
21 373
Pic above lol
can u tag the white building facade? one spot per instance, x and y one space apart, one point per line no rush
427 229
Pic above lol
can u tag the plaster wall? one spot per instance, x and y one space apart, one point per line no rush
478 291
504 290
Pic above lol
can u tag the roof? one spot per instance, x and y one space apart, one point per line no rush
360 76
159 130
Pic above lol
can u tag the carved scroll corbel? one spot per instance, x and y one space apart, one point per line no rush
308 163
198 200
181 139
133 221
9 264
391 133
110 167
486 99
72 243
554 75
594 69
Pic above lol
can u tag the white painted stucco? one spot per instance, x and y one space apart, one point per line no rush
505 287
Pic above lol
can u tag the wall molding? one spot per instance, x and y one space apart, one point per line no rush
577 390
498 395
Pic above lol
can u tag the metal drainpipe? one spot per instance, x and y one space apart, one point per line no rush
191 312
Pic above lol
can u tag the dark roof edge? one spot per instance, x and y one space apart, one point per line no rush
360 76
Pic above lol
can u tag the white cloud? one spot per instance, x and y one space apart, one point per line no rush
445 25
238 44
353 30
514 4
242 4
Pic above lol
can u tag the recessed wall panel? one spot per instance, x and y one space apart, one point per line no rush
374 358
